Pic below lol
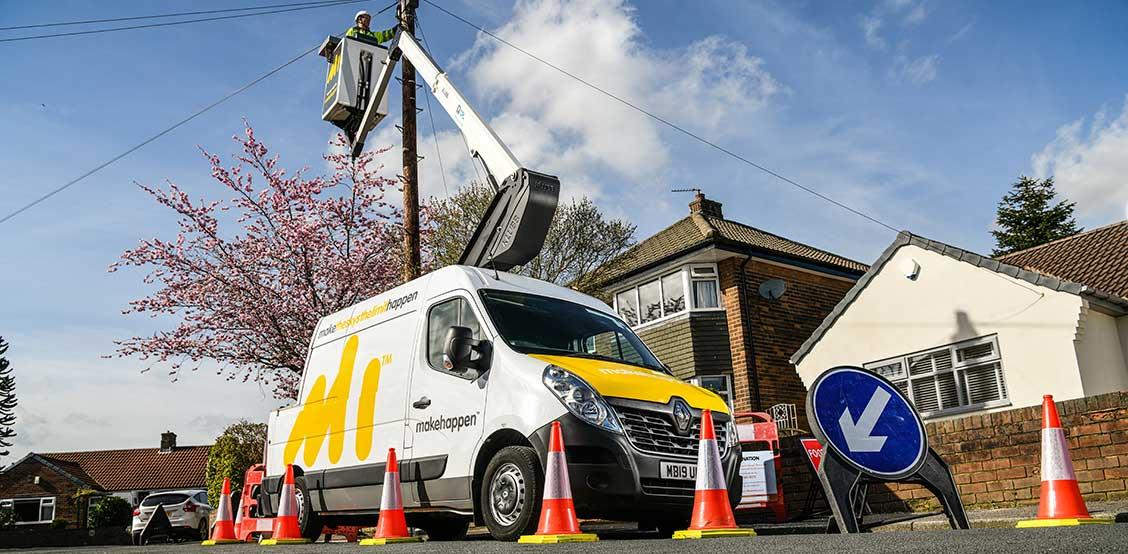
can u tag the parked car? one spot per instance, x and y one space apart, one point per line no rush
187 511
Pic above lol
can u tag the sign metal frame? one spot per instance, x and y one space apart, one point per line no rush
845 480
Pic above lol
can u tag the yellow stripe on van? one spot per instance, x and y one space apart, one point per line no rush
636 383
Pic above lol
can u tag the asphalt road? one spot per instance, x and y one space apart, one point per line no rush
1095 538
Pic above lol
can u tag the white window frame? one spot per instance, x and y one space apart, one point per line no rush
10 503
696 380
687 280
958 368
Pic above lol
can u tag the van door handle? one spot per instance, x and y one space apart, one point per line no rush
422 403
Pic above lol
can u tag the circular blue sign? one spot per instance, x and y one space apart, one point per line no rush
868 421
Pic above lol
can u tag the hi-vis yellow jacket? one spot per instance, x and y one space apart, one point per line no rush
377 36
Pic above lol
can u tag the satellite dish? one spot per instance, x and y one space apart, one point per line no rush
773 289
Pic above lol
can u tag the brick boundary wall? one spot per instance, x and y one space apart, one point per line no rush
996 458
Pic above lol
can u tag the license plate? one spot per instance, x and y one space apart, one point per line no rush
676 470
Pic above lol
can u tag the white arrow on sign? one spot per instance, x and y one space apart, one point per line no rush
859 435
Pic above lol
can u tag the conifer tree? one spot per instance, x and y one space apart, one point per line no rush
7 401
1027 216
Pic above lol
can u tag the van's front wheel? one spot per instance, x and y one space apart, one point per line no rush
511 493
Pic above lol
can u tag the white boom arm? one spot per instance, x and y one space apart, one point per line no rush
513 229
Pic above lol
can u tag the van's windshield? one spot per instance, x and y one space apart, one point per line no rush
534 324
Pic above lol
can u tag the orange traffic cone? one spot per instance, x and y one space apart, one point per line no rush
712 513
239 524
1060 502
392 526
558 521
286 529
224 530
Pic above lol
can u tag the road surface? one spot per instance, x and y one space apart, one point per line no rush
1095 538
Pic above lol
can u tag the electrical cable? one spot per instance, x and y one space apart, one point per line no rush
430 112
665 122
170 23
167 130
159 16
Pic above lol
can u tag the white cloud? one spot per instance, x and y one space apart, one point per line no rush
870 25
553 123
1090 168
962 31
918 71
915 15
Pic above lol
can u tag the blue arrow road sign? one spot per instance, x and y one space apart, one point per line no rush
868 422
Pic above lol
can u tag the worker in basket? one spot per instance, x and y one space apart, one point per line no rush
362 31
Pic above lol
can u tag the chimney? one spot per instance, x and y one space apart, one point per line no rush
168 441
705 207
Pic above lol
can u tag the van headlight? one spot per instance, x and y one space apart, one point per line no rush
581 399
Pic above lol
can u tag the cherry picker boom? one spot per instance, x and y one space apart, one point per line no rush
513 229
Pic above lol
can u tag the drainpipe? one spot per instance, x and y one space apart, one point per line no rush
745 320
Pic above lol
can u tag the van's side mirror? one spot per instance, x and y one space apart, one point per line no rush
458 350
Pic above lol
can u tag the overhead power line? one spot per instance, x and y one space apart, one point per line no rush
431 113
163 15
184 22
166 131
663 121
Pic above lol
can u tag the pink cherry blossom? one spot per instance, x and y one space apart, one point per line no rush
246 278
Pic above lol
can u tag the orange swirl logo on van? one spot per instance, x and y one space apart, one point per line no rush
323 414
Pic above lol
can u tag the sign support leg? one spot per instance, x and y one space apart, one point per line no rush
839 481
937 478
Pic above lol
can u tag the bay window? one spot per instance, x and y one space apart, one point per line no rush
666 295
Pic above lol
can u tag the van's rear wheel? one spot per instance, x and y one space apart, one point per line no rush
511 493
309 522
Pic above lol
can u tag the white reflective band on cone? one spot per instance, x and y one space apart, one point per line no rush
1056 464
710 476
224 512
558 486
391 498
289 503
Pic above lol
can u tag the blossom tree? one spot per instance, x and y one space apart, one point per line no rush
247 277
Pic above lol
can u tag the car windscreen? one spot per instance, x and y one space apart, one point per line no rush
534 324
168 499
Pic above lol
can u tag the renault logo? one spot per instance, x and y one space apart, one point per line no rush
682 416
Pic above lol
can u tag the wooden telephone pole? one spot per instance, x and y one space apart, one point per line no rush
411 268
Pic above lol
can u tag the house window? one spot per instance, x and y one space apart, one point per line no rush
959 377
705 287
28 511
720 384
666 296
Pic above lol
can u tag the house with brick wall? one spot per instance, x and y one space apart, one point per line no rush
725 304
963 333
57 488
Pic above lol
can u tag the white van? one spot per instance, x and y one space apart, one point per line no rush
463 371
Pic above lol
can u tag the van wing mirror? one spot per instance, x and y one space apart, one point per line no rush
459 348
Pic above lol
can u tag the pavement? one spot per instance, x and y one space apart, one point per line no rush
1099 539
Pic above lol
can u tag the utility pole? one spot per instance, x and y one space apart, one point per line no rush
411 268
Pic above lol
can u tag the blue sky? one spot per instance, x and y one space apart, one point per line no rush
917 113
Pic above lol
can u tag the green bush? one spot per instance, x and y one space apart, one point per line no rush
235 450
7 518
111 511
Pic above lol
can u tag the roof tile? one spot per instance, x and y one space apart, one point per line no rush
138 468
1096 258
694 231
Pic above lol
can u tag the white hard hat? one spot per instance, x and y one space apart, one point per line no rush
360 13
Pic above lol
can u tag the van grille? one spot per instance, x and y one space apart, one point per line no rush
653 431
